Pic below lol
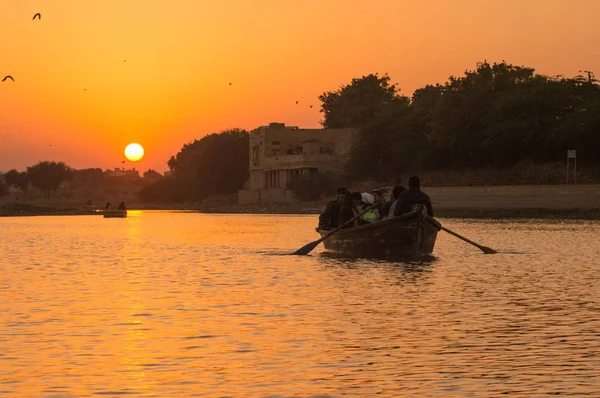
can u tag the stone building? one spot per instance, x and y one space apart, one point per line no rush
281 154
117 172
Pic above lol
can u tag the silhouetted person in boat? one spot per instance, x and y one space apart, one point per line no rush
328 219
121 206
373 214
413 196
380 200
108 206
349 209
390 205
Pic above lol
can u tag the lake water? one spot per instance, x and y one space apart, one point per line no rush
182 304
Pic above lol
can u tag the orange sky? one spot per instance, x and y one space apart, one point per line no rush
181 54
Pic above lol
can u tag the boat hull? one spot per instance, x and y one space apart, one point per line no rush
410 235
115 214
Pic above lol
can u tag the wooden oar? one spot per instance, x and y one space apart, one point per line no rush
484 249
304 250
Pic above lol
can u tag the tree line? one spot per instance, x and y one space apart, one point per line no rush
45 176
492 117
48 176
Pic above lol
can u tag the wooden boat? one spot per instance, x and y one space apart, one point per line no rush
407 236
115 213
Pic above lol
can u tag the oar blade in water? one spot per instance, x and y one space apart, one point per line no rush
484 249
488 250
304 250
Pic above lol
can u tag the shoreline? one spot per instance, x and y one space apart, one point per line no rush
308 208
29 210
488 213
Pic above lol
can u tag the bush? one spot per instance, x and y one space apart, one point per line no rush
170 190
312 187
68 194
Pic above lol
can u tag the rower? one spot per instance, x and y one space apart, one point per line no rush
413 196
328 219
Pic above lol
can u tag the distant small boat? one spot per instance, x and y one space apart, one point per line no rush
409 235
115 213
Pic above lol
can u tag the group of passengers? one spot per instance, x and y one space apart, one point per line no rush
349 205
109 206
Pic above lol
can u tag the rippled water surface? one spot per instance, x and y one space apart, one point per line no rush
183 304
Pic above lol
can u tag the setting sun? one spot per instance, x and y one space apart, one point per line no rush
134 152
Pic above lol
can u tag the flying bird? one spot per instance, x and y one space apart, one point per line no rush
8 77
230 84
296 102
311 106
122 161
38 15
85 89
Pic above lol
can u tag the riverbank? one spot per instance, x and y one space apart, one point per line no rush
569 202
315 208
24 209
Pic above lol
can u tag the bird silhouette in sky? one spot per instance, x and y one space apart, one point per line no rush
85 89
122 161
8 77
38 15
296 102
230 84
311 106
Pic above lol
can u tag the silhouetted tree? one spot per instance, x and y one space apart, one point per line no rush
48 176
216 163
19 180
494 116
3 188
169 190
359 102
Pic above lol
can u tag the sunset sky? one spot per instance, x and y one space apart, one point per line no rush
93 76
